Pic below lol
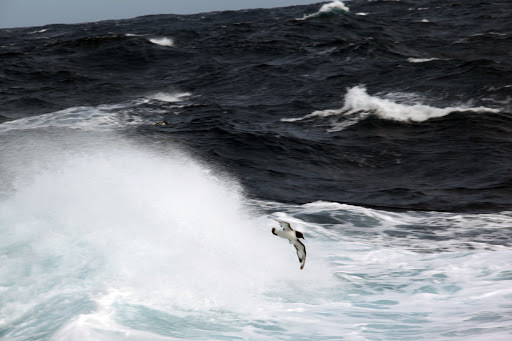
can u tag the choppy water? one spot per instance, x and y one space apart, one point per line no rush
387 145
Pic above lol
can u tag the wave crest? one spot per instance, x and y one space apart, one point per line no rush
331 8
162 41
359 105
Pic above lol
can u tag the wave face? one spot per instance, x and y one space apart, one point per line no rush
143 160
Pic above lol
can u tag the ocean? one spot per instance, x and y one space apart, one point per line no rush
143 162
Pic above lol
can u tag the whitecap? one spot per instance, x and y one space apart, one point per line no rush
333 7
359 105
164 41
170 97
40 31
421 60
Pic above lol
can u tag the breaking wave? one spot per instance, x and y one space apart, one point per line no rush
358 105
334 7
99 220
162 41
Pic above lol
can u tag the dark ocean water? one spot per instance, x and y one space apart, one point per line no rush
248 70
382 129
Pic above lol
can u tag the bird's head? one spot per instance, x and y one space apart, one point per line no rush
299 234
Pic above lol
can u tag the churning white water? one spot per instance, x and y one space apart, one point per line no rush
97 238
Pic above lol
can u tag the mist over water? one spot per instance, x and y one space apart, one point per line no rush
145 231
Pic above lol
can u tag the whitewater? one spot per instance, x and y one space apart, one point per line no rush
358 105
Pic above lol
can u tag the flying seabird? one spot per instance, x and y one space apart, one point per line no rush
293 237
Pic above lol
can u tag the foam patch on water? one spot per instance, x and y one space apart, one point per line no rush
170 97
331 8
421 60
358 105
84 118
164 41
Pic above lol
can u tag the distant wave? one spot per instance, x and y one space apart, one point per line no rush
359 104
330 8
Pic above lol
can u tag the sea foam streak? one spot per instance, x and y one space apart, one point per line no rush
421 60
359 105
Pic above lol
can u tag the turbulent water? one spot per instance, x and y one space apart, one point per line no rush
142 162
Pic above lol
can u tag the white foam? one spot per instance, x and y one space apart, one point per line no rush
101 325
170 97
458 230
105 117
421 60
358 104
102 117
164 41
397 279
335 6
158 230
40 31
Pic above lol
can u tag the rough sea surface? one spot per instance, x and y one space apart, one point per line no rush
142 162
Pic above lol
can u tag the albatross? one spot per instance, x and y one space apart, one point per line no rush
293 237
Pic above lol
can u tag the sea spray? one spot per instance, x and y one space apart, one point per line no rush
161 230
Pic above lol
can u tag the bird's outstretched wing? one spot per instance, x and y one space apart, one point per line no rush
301 252
284 225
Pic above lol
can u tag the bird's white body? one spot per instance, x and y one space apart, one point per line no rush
290 235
